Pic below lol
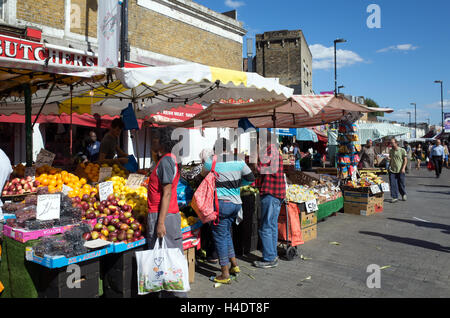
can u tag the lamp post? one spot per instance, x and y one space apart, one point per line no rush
339 87
415 119
409 125
442 101
335 66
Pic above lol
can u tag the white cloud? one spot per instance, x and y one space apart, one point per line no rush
399 47
323 57
402 115
234 4
437 105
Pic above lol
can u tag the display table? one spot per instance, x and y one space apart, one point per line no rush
330 207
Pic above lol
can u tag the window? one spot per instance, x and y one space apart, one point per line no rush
2 9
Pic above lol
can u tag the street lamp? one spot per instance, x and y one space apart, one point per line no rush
409 113
442 102
415 119
335 66
339 87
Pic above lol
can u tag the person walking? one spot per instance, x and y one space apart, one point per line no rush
408 155
446 152
418 154
164 220
367 155
232 174
397 168
298 157
272 188
437 156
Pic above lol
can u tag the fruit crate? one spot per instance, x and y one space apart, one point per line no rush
122 247
192 227
192 242
23 236
92 222
189 234
62 261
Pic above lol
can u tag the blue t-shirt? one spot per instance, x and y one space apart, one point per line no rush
93 151
232 176
437 151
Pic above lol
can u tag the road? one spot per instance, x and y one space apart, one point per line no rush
409 240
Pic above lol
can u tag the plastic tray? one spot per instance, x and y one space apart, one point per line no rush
23 236
62 261
122 247
192 227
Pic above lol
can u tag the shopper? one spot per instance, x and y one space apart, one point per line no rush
397 167
232 174
93 147
437 156
367 155
109 146
272 188
164 220
5 171
408 155
446 152
298 157
418 154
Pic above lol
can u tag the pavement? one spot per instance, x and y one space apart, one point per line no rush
409 241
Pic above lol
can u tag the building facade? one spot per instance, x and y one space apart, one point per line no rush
285 55
160 32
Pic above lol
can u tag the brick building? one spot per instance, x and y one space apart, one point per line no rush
286 55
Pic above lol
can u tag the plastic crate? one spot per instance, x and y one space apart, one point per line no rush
192 227
23 236
122 247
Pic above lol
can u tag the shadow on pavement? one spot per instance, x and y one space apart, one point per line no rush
436 192
431 225
206 269
410 241
434 185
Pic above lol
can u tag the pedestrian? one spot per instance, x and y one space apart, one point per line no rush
5 172
164 220
232 174
298 157
109 147
446 152
418 154
285 149
367 155
92 147
437 156
408 155
397 168
272 188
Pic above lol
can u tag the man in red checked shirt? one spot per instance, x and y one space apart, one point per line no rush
272 188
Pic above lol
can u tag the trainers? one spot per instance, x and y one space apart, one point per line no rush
394 200
263 264
404 197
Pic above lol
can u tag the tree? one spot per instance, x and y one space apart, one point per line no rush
371 103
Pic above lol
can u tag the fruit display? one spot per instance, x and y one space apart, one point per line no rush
55 178
188 217
299 193
123 227
326 190
137 198
248 189
19 186
117 171
371 177
92 171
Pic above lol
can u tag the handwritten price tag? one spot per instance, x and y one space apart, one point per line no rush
375 189
105 189
45 157
385 187
105 173
311 206
354 176
48 206
66 189
135 180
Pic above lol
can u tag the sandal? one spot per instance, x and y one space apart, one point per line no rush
235 270
222 281
212 260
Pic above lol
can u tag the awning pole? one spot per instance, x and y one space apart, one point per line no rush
71 130
28 128
145 145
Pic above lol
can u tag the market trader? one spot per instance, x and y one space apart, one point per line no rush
437 156
397 168
109 146
272 188
164 220
93 147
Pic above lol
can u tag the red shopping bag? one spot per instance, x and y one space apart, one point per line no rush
430 165
295 232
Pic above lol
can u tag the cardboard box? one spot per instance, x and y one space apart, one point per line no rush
363 203
359 209
309 233
190 257
307 219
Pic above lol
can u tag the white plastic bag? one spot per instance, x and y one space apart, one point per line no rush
162 268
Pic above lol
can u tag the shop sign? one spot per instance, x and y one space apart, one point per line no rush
19 49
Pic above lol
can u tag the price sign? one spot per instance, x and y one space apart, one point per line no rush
135 180
105 189
385 187
354 176
105 173
311 206
48 206
375 189
45 157
66 189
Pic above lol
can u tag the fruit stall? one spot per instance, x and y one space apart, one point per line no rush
55 218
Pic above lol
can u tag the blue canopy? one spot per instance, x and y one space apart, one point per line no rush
305 134
291 132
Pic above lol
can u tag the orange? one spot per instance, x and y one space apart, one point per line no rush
44 181
43 175
52 183
83 181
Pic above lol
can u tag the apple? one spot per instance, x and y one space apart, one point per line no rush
113 237
36 183
21 191
92 200
134 226
105 221
124 227
106 211
126 207
97 213
98 226
91 215
95 235
129 236
111 228
114 202
128 221
103 237
137 233
87 236
116 214
111 197
128 215
114 222
26 187
105 232
121 235
93 194
104 203
84 206
85 198
23 181
112 208
19 187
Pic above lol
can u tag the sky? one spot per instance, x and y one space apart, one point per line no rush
395 62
